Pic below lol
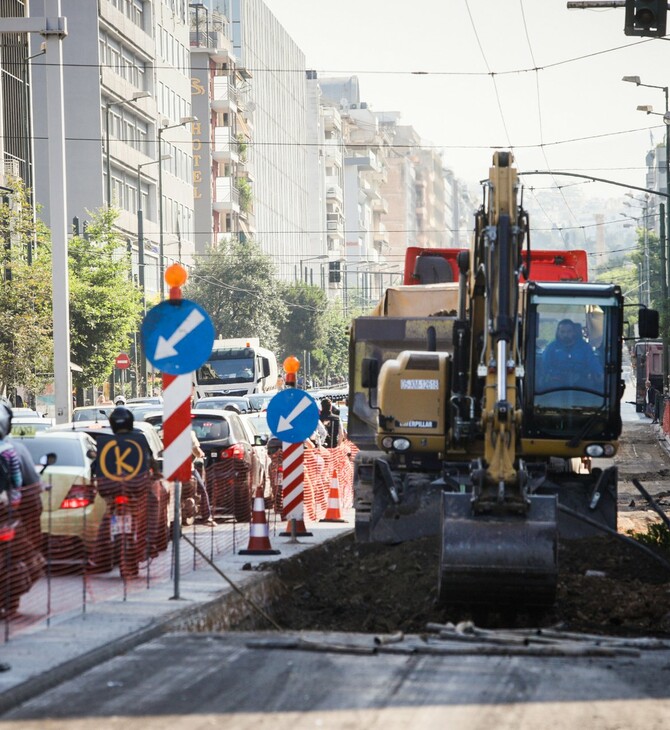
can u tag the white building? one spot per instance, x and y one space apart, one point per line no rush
126 74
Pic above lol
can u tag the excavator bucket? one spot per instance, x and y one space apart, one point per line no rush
498 560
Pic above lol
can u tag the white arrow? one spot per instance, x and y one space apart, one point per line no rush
285 423
165 348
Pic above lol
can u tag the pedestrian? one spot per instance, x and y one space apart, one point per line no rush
650 397
331 423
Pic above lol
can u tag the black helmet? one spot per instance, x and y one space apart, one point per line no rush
121 419
6 414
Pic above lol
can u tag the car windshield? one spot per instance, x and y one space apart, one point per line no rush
97 413
241 403
259 423
228 365
68 451
208 428
259 401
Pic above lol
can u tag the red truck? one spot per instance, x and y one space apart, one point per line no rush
438 265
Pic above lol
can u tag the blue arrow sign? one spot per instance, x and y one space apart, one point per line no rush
292 415
177 336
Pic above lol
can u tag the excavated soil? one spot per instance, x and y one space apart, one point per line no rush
605 585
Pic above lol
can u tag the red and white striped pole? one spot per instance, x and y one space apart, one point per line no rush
177 448
293 483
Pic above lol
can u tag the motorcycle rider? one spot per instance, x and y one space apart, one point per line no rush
10 493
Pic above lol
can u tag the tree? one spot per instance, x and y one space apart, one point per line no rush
304 329
26 320
331 362
236 284
105 305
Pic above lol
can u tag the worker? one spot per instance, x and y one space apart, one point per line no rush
569 361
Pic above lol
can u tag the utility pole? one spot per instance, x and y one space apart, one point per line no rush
54 29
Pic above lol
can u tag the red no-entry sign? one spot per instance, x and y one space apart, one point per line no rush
122 361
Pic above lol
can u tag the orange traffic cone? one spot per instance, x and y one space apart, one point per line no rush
300 529
334 513
259 534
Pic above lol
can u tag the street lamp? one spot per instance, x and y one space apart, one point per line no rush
303 272
108 105
663 239
183 121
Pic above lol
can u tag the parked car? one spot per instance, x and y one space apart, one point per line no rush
259 401
25 426
92 413
156 400
72 510
142 410
221 401
232 474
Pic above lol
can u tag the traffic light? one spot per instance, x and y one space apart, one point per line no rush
646 17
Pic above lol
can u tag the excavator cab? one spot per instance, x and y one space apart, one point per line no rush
572 387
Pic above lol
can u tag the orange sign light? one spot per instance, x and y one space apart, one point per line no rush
175 275
291 364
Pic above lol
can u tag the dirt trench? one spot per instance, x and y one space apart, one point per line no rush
605 586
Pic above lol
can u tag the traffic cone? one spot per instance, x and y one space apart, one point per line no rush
259 533
333 513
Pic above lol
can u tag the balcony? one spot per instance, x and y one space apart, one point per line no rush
380 205
226 196
381 238
225 145
224 98
334 192
335 225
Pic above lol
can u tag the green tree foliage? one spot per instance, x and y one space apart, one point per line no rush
304 330
26 320
330 363
236 284
105 305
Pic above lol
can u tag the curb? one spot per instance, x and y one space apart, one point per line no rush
216 614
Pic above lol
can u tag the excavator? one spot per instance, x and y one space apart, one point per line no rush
487 411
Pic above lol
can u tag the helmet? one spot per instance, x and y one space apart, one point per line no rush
121 419
5 420
119 401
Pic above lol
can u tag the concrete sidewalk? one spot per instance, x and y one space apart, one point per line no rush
41 658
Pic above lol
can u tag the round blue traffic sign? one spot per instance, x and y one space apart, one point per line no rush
292 415
177 336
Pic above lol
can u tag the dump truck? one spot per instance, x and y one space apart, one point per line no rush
477 423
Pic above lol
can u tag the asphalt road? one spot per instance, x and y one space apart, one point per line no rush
230 680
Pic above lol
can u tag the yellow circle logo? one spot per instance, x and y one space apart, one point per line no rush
121 461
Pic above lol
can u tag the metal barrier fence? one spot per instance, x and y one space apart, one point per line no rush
105 540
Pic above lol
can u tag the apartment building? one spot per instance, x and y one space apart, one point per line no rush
277 166
126 78
15 136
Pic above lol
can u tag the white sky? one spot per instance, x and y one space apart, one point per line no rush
459 106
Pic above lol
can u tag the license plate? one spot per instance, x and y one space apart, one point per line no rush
121 524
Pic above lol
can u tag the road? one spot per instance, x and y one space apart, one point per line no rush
197 681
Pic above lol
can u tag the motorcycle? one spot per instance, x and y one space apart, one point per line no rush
124 525
21 562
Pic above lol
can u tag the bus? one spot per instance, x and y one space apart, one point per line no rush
237 366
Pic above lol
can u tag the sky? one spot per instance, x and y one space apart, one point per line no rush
529 75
